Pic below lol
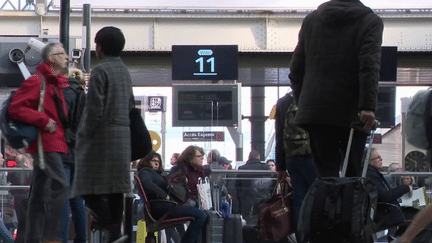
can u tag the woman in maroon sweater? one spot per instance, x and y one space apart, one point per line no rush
190 161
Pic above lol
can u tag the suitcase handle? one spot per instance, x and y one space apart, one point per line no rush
366 161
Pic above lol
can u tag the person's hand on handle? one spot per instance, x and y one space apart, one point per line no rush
368 118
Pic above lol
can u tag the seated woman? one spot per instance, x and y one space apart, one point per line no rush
149 171
190 162
410 181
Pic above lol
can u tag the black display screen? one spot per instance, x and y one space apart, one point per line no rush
212 62
388 71
386 106
205 105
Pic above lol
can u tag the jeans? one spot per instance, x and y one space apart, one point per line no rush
5 234
195 227
76 206
302 173
329 143
49 192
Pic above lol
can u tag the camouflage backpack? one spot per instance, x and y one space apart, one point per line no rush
295 139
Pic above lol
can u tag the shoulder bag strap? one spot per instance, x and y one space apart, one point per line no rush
40 108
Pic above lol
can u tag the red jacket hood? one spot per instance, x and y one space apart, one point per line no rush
57 80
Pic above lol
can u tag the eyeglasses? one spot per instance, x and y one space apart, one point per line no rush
379 157
58 53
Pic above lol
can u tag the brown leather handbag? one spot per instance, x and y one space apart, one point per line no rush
275 213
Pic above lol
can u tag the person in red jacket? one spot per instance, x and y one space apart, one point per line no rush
49 183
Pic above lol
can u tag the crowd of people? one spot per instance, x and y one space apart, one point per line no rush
245 195
75 159
85 158
86 153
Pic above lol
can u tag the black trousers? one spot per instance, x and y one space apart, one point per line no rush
109 211
329 144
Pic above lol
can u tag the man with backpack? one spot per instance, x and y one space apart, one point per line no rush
293 154
334 74
49 182
75 98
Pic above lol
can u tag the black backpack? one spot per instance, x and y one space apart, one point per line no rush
339 209
75 111
19 134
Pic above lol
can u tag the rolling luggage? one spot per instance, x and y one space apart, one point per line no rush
340 209
251 235
233 229
213 230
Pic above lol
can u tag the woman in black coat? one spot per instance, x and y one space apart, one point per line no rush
155 186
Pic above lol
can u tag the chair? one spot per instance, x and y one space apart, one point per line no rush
152 225
390 215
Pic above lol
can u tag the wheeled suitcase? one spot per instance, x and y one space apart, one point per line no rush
251 235
213 230
232 231
340 209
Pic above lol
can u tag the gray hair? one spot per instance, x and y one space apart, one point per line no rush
392 167
214 154
46 51
370 155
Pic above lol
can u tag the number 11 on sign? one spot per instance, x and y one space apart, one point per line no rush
211 62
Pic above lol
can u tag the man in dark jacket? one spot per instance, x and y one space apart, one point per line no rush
213 160
386 194
252 191
334 74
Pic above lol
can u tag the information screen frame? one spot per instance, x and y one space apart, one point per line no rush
192 105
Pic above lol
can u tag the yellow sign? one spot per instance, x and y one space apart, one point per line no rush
156 140
142 232
273 113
